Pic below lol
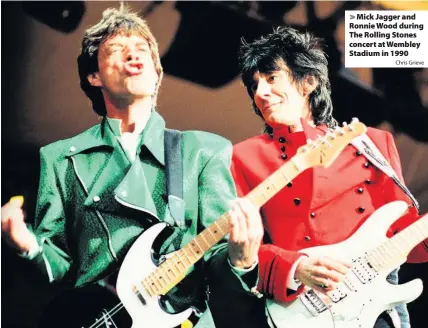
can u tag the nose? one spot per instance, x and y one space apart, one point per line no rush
132 54
263 90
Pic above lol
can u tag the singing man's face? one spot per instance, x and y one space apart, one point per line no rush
126 67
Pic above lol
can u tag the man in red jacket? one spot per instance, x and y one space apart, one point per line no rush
286 76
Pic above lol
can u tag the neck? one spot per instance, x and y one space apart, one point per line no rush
305 119
295 128
299 127
134 115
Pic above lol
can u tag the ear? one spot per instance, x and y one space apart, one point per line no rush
94 80
310 84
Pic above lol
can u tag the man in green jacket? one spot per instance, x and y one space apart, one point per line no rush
103 188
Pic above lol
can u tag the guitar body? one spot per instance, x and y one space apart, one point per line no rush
95 306
365 294
145 311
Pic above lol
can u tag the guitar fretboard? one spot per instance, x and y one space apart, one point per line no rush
394 251
173 270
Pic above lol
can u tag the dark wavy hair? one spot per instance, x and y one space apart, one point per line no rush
302 54
114 21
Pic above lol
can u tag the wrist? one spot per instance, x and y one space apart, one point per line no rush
29 245
243 265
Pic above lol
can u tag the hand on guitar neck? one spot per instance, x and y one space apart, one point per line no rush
246 233
14 230
321 273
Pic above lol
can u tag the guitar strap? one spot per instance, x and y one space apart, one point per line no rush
195 294
367 147
174 175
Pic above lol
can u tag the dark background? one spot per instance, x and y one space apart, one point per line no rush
42 101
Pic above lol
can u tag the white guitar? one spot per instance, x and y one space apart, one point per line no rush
141 284
365 293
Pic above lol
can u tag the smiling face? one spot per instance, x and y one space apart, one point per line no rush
126 68
280 100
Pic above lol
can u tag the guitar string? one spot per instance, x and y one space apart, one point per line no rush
99 322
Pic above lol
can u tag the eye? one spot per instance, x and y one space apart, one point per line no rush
142 47
115 49
272 78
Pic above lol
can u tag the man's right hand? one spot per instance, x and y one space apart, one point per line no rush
322 273
13 228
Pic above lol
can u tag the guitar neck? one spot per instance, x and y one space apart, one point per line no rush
173 270
276 181
394 251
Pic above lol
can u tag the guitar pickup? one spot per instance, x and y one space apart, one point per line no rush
337 294
351 281
363 270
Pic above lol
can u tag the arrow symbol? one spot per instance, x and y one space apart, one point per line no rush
352 16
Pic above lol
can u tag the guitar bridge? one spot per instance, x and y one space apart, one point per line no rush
313 303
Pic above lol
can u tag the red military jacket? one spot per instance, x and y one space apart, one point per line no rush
321 206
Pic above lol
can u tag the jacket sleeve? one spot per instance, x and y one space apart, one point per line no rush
53 262
393 192
274 262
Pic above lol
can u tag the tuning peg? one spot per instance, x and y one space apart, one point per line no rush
321 140
349 127
339 131
310 144
330 135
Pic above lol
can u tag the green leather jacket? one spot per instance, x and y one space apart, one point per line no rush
93 203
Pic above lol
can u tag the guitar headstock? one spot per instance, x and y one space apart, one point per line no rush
324 150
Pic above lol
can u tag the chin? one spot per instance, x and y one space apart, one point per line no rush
139 92
283 122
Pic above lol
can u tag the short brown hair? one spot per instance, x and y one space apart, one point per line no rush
113 22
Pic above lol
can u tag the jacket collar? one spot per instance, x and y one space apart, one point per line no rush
102 135
97 136
100 170
309 132
153 137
